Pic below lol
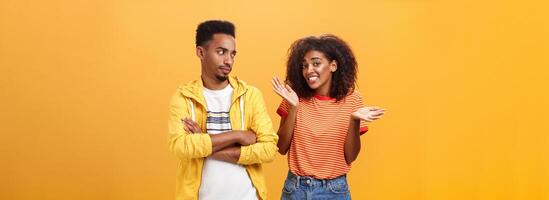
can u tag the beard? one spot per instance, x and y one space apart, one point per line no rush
221 78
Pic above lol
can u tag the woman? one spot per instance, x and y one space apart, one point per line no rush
322 118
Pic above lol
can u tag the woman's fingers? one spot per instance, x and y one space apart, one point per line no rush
289 88
377 113
278 81
369 114
373 118
275 85
277 90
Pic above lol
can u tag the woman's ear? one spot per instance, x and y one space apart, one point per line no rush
333 66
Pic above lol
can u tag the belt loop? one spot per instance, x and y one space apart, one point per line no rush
297 181
324 183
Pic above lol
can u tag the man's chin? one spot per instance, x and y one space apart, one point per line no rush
222 78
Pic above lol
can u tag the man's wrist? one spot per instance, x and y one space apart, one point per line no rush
237 137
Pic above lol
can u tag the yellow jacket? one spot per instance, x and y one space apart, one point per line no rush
247 112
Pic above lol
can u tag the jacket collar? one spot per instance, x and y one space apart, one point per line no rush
195 89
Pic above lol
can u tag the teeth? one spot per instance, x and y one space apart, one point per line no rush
313 78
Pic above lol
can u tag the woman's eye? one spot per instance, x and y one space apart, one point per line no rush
316 64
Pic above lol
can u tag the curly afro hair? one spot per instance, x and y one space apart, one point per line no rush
334 48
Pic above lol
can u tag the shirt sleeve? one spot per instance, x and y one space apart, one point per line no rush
265 149
358 103
283 108
183 144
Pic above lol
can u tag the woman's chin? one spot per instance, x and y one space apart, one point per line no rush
313 86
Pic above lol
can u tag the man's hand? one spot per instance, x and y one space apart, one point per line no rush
246 138
191 126
229 154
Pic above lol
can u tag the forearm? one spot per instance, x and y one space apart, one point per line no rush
229 154
286 131
352 141
186 146
223 140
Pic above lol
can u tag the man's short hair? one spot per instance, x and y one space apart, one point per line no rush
206 30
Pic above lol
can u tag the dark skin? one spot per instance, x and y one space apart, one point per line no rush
217 58
318 71
225 146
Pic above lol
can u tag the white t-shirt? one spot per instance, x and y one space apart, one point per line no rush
222 180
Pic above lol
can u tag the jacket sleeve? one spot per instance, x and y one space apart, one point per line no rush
265 149
182 144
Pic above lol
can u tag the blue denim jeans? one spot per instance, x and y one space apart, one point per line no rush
308 188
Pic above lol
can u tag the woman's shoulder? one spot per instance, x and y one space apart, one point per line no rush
354 95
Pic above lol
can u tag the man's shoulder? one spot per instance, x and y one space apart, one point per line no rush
245 86
252 90
185 90
190 84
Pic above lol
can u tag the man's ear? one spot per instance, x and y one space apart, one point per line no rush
200 52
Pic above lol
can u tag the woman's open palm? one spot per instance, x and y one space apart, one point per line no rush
285 91
368 114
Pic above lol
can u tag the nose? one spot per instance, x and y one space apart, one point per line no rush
308 68
228 60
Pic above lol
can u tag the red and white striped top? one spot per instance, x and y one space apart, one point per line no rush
317 146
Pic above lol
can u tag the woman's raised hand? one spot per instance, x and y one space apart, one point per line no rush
368 114
285 91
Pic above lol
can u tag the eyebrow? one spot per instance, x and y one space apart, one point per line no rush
313 58
225 49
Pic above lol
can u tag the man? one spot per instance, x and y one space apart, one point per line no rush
219 127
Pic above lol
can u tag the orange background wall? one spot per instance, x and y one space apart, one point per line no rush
85 85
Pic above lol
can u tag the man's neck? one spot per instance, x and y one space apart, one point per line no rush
214 83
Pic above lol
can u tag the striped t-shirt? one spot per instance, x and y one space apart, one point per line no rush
317 146
222 180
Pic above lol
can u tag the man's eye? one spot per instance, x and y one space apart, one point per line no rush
220 52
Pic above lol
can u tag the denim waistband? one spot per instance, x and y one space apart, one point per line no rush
311 181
